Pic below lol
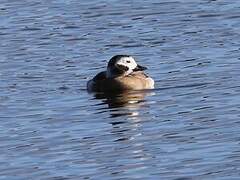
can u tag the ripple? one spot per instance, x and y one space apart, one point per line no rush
186 128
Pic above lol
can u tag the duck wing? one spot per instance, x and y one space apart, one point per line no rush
100 76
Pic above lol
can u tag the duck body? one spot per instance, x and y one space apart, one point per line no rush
124 77
134 81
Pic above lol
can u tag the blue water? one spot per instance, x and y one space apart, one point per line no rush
187 128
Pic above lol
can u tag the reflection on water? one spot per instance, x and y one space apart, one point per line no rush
126 103
126 130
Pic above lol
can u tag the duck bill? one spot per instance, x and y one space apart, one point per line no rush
139 68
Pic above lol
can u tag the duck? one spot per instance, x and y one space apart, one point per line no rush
122 73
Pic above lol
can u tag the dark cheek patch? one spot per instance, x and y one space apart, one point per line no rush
124 68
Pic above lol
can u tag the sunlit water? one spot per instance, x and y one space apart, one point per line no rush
187 128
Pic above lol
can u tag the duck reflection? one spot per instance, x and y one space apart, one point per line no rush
126 111
126 103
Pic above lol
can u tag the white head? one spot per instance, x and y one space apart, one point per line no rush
122 65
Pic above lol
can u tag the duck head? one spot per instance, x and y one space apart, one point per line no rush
122 65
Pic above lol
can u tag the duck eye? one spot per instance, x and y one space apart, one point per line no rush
128 61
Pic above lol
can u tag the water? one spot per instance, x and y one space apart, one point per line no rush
187 128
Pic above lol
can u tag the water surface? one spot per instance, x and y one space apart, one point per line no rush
187 128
